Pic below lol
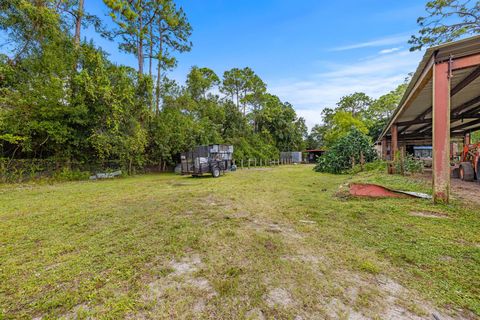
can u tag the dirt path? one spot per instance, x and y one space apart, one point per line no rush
466 191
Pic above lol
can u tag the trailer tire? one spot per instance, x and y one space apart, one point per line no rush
466 171
477 171
216 172
455 173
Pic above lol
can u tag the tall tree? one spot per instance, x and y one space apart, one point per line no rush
78 21
232 84
342 123
316 138
253 93
381 109
446 20
74 16
253 90
279 120
129 15
200 80
29 25
244 86
170 34
354 103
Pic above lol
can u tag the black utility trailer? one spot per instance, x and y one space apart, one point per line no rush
214 159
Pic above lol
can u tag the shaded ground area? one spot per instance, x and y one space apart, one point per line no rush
468 192
274 244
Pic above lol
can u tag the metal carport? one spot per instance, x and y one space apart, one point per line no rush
441 102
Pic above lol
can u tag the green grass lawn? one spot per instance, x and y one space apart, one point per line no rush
255 244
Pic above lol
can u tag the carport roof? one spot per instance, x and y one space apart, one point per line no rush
413 115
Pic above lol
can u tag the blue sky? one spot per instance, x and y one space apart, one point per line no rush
309 52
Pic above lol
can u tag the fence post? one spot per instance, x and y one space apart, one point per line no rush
248 163
362 160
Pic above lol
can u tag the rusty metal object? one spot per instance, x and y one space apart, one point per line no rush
376 191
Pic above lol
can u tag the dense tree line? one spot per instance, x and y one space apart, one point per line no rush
445 20
367 115
61 98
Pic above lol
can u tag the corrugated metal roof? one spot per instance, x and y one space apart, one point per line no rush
422 100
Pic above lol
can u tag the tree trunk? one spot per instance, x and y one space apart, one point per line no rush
238 104
244 103
140 44
150 56
78 22
159 67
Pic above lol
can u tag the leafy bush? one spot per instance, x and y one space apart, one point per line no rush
67 174
338 159
408 165
374 166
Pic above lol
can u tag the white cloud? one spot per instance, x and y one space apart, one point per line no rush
375 76
387 41
391 50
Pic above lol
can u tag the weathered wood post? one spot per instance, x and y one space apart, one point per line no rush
441 132
362 160
402 162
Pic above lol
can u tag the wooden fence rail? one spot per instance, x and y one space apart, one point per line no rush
260 162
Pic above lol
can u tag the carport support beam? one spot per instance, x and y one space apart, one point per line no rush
384 148
441 133
466 139
394 147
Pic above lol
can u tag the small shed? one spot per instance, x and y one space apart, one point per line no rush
291 157
313 155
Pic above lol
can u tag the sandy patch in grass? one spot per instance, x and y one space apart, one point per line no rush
255 314
182 278
77 312
279 297
400 303
304 258
265 226
336 309
371 297
428 214
186 265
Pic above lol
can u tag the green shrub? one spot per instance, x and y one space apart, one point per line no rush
71 175
374 166
408 164
338 159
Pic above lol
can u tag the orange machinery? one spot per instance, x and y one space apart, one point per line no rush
470 162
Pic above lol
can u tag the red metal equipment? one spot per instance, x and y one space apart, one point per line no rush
470 163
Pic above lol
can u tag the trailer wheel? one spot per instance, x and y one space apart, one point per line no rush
477 171
455 174
216 172
466 171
